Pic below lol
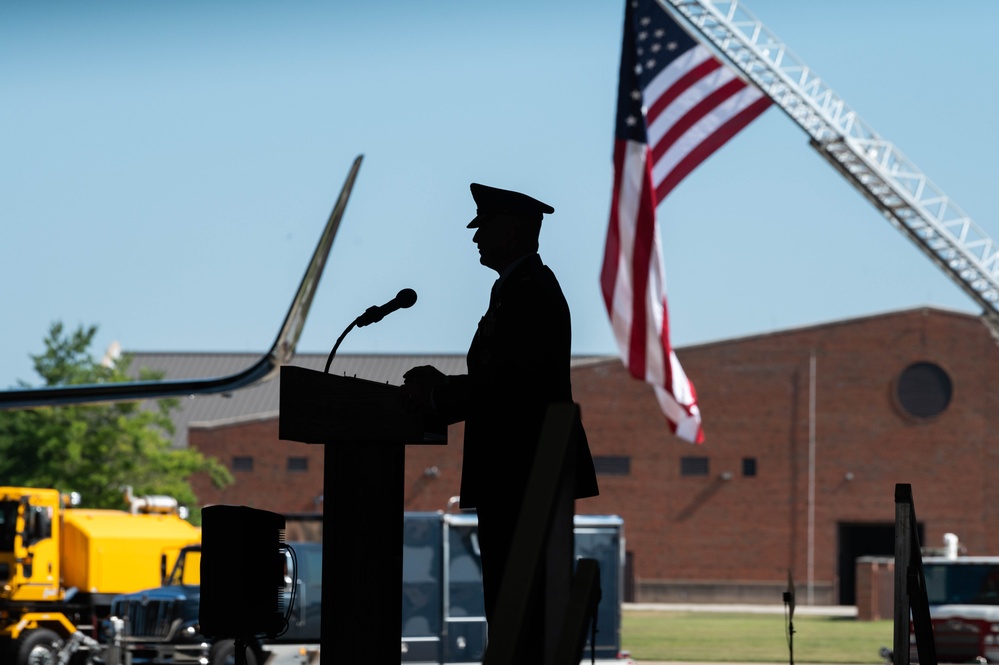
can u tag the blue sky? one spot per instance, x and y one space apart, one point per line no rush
166 168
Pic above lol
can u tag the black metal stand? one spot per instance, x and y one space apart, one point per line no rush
541 559
910 585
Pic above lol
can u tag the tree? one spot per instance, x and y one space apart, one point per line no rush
98 450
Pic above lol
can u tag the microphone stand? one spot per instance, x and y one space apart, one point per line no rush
789 608
790 638
337 345
403 300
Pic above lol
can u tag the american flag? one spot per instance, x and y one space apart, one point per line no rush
677 104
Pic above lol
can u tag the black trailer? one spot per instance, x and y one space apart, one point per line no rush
443 616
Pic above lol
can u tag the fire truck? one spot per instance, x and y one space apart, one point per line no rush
60 566
963 593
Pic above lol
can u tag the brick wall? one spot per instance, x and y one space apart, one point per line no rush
269 485
875 588
728 529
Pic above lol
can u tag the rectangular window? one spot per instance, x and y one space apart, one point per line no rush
612 465
242 464
693 466
749 466
298 463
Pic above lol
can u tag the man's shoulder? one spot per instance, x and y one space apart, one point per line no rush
538 291
533 268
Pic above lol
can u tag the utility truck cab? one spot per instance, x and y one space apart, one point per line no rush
29 538
61 565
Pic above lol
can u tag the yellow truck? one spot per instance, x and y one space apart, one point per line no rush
60 566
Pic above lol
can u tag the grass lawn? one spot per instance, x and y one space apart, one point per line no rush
711 637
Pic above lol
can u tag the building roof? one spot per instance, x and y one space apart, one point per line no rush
926 309
261 401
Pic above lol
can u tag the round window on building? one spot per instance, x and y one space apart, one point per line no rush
923 390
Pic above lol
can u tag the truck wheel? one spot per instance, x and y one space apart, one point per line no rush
38 647
224 653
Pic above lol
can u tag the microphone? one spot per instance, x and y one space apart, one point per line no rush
376 313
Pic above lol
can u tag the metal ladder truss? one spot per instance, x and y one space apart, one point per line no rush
879 170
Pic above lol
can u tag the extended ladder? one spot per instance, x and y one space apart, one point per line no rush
875 167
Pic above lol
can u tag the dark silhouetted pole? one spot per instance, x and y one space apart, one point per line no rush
910 585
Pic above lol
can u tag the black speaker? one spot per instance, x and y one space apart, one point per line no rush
242 572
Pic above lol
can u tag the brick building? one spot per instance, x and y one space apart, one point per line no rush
808 430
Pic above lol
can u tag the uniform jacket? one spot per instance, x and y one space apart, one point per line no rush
518 364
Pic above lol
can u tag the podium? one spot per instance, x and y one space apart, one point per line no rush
365 428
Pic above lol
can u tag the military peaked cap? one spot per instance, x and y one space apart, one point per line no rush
492 200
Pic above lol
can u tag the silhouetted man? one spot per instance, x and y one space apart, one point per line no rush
518 364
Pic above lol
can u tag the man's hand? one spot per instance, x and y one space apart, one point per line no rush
418 386
424 375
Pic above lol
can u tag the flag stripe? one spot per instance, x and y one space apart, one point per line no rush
711 142
698 113
612 245
645 232
685 82
617 288
674 71
677 104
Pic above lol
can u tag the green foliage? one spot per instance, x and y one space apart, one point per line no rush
99 449
751 638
